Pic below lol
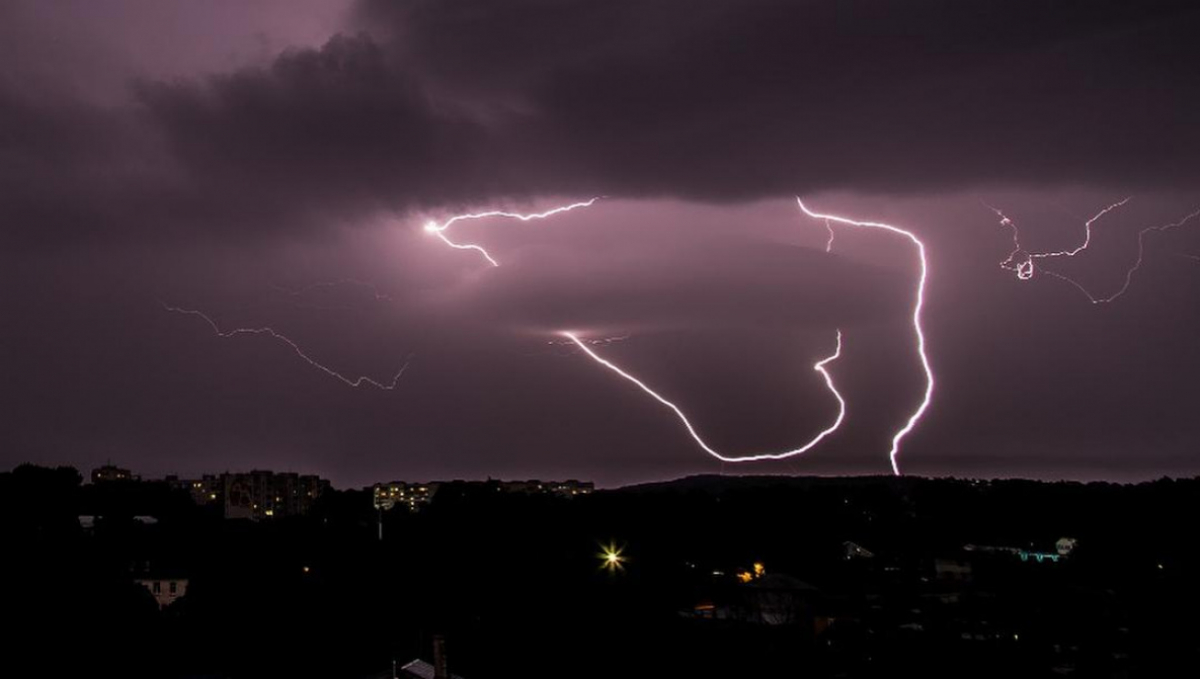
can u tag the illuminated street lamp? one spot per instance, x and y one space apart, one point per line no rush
610 556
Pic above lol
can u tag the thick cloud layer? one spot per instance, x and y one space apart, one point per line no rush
468 101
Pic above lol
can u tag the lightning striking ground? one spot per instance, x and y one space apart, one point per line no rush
1021 261
819 367
918 306
439 230
352 382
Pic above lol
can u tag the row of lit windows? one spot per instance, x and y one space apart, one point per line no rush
172 587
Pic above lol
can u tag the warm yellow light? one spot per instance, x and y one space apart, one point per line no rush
611 556
759 569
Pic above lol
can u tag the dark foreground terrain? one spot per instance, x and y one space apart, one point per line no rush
718 577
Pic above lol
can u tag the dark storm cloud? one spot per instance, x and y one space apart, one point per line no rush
340 129
447 103
68 167
730 100
750 98
468 99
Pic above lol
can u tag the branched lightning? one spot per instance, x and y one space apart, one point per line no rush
587 344
819 367
353 382
1021 261
916 320
439 230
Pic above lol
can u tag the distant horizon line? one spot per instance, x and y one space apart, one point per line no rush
881 476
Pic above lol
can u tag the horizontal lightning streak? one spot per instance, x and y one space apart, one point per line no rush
1087 233
819 367
355 382
439 230
1025 269
916 321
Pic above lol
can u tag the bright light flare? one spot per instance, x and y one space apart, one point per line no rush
439 230
611 557
918 306
819 367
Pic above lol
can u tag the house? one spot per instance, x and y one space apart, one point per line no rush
166 591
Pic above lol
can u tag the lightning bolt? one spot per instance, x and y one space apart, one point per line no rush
1087 233
1021 261
819 367
439 230
918 306
1021 265
1141 254
353 382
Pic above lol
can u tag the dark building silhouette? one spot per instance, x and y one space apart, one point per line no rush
261 494
110 472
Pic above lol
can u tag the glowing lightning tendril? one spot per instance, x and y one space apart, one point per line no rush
439 230
1024 268
819 367
356 382
585 345
916 320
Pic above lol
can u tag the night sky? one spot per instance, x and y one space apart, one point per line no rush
272 163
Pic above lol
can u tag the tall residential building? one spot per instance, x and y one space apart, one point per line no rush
261 494
411 496
110 472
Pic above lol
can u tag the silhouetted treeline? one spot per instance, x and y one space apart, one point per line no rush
517 583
